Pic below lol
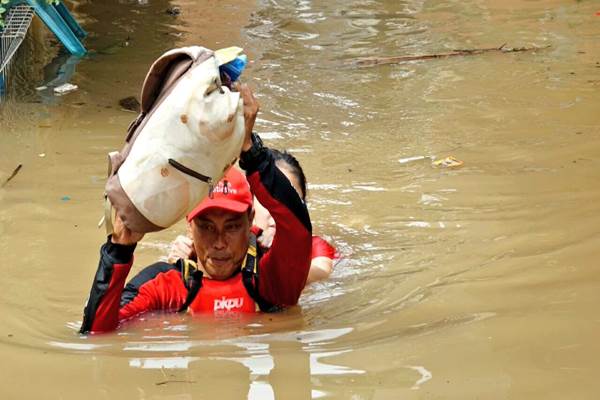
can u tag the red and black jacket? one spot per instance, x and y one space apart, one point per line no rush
278 279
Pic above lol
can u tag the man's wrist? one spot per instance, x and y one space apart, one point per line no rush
120 241
120 252
250 159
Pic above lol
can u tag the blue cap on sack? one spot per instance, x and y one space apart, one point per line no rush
235 67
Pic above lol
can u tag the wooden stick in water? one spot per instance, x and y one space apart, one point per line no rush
14 173
372 61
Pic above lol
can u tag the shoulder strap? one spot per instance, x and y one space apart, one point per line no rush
167 69
192 279
250 277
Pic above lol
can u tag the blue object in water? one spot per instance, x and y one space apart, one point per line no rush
70 21
234 68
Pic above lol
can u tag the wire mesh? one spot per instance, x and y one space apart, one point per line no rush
16 24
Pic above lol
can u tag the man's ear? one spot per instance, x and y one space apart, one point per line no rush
251 216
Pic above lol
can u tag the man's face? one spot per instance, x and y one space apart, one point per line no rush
221 241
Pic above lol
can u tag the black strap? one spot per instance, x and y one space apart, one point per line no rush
250 278
133 126
190 171
192 278
251 159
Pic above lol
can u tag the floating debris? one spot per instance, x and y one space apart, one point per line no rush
373 61
14 173
130 103
173 381
64 89
415 158
448 162
173 11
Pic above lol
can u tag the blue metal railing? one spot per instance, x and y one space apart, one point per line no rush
56 17
17 18
60 21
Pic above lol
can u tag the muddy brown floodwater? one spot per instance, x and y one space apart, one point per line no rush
481 282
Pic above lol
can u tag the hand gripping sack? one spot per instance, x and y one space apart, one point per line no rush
189 131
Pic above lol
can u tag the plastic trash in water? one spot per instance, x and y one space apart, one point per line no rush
64 88
448 162
415 158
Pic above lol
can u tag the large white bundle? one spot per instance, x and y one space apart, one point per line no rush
190 131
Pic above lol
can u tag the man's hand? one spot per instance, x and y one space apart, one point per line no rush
122 234
251 107
182 247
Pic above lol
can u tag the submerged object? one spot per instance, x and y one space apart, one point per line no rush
65 88
189 131
130 103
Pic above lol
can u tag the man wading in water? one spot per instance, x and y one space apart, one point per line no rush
230 275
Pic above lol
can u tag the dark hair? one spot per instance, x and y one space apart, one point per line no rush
293 165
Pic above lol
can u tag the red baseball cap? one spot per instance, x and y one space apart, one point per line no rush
232 193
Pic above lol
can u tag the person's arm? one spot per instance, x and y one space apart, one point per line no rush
101 312
321 265
283 269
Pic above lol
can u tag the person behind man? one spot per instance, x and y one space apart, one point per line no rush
231 273
322 253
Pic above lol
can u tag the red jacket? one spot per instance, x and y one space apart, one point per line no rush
281 270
